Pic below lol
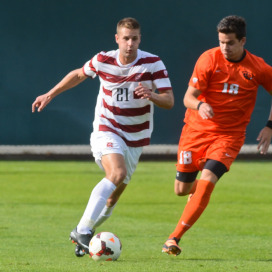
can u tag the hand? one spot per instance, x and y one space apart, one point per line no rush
205 111
143 92
41 102
264 139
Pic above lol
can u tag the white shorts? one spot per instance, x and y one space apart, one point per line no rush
103 143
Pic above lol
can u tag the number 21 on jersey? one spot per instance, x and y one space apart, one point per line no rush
122 94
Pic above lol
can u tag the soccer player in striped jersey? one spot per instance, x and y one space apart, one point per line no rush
123 120
219 100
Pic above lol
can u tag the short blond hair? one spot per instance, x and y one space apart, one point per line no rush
129 23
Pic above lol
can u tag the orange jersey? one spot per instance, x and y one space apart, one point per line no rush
230 88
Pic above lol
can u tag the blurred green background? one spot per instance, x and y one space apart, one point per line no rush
42 40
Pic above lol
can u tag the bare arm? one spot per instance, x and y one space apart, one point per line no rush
69 81
265 136
163 99
191 102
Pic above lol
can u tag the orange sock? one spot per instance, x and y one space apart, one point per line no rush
194 208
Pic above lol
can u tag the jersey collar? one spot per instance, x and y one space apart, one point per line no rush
235 61
130 64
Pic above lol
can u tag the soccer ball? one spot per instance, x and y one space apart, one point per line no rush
105 246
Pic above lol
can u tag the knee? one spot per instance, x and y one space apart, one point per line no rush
120 175
182 188
181 192
184 182
117 176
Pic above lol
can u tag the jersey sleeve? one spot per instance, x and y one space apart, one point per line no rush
202 72
90 68
266 80
160 76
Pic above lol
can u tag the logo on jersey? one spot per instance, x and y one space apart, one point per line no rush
109 144
165 73
138 77
195 79
247 75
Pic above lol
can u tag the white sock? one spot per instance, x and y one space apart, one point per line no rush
97 202
104 215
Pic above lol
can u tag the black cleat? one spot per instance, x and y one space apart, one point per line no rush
79 252
82 242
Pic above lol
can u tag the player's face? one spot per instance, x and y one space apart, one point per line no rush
128 41
231 47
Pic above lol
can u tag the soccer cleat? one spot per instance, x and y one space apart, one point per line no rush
171 247
79 252
82 242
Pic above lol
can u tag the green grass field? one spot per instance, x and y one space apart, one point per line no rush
41 202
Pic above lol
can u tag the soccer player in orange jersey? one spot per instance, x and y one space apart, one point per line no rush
219 100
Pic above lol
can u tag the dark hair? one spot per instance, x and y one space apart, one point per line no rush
233 24
129 23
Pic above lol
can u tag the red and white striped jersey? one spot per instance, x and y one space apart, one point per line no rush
118 109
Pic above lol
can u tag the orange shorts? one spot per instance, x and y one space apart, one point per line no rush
196 147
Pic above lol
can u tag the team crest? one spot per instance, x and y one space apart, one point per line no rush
165 73
247 75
